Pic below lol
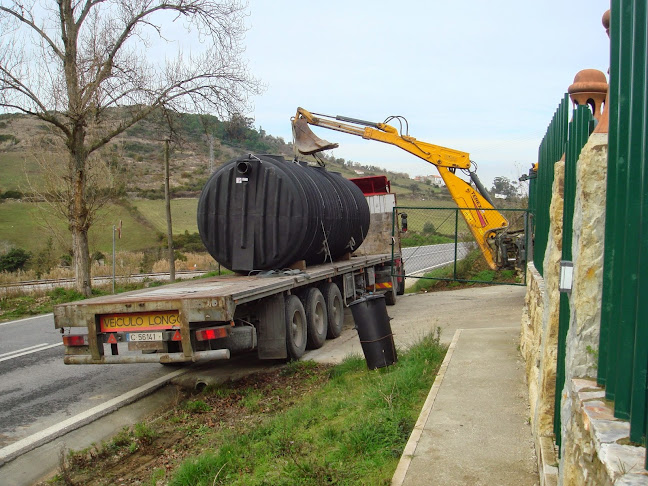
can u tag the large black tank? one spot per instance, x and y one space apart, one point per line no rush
263 212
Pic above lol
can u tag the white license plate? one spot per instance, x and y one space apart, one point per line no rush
143 336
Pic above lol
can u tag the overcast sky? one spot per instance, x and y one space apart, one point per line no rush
482 77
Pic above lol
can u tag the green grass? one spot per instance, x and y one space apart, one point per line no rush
304 424
183 214
472 268
17 168
20 306
352 431
29 225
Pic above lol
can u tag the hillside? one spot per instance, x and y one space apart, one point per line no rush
135 161
136 157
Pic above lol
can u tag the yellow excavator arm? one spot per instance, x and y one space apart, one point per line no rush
484 222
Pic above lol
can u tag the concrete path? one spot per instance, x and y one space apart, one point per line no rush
473 429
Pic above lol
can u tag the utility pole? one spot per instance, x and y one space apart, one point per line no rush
211 153
167 200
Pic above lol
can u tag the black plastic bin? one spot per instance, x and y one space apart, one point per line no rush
372 323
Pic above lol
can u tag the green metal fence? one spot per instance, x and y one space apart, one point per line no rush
579 131
623 349
438 240
551 150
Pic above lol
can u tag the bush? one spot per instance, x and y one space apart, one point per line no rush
429 228
189 242
8 138
12 194
14 260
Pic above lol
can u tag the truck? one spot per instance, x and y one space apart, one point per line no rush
278 313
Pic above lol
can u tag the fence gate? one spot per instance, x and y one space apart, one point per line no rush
437 245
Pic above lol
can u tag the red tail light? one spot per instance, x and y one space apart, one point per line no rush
212 333
75 340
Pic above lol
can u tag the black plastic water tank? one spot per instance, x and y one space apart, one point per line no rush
262 212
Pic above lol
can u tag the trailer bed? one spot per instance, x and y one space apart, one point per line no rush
208 299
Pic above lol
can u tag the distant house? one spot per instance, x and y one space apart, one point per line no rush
359 172
433 180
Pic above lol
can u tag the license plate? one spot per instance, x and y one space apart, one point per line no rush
143 336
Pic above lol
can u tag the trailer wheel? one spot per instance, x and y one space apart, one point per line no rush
295 327
316 318
334 309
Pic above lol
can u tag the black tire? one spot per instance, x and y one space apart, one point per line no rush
390 295
295 327
316 318
334 309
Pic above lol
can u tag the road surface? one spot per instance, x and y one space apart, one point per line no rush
38 390
421 259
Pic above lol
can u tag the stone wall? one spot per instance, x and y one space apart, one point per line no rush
596 449
539 337
594 443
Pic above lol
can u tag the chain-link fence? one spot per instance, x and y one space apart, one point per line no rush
438 245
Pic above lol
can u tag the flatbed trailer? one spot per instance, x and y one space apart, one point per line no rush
278 313
211 318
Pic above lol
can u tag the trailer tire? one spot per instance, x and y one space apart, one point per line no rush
316 318
296 328
334 309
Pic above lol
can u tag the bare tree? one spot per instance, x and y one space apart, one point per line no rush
67 61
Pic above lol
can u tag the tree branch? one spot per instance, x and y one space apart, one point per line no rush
36 29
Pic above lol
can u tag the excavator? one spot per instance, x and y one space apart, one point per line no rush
501 247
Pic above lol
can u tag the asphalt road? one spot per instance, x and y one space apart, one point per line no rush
422 259
39 391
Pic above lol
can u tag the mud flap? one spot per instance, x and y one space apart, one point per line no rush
271 331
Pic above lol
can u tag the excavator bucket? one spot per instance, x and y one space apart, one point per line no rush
306 141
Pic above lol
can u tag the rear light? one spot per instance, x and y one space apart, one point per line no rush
75 340
211 333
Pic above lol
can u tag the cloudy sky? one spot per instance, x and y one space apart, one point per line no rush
482 77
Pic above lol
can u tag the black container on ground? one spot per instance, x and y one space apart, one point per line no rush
374 330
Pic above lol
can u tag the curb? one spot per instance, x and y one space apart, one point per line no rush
412 443
27 444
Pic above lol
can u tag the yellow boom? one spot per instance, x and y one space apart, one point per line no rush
483 220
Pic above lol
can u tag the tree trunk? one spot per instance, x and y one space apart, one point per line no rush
80 224
167 204
81 261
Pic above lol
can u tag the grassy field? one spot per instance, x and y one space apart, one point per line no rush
183 214
29 225
17 168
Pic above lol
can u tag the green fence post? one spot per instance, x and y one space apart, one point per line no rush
456 242
579 131
638 157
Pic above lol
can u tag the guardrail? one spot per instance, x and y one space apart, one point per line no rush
45 284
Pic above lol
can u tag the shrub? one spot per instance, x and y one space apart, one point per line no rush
14 260
12 194
429 228
8 138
